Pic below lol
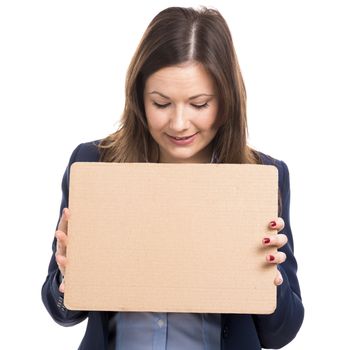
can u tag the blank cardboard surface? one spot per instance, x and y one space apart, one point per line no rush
166 237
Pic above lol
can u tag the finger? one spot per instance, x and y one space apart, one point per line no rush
278 240
61 242
277 258
277 224
61 263
63 224
61 287
278 279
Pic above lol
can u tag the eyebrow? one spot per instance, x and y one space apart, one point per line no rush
191 98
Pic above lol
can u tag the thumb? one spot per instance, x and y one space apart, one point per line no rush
61 287
63 224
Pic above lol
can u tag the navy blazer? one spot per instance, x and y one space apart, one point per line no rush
239 331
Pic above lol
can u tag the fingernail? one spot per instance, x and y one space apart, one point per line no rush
266 240
271 258
273 223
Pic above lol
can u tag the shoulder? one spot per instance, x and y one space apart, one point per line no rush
86 152
283 171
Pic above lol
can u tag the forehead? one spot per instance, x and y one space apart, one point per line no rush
185 78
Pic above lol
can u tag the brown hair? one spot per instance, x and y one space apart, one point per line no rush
175 36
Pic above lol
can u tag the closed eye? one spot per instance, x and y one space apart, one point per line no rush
162 106
205 105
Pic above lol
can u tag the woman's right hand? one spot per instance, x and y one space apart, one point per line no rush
61 236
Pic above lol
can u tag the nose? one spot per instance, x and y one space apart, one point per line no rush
179 121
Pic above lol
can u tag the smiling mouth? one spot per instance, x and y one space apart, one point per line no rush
182 138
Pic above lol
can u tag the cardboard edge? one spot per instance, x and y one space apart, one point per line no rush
273 308
72 307
75 165
69 306
273 167
66 304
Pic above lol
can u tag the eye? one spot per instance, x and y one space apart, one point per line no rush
205 105
160 106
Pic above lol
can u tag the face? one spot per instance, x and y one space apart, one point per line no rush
181 101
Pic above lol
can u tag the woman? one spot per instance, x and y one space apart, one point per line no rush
185 103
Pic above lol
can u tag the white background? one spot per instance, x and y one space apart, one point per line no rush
62 71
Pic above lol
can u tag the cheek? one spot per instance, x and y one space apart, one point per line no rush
207 119
155 119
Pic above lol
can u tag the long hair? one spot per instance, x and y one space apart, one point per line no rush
175 36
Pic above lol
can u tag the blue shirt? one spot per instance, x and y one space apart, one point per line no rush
168 331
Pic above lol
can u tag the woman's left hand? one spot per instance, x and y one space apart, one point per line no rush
277 241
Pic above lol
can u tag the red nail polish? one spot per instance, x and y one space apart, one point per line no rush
273 223
266 240
271 258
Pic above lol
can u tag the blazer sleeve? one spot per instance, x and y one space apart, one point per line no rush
50 294
279 328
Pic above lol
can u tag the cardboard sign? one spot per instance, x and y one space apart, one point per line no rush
170 237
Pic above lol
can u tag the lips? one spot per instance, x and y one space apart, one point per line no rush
186 141
181 138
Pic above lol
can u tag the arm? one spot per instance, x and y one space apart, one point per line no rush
280 328
50 294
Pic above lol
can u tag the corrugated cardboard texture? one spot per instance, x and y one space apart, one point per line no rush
166 237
